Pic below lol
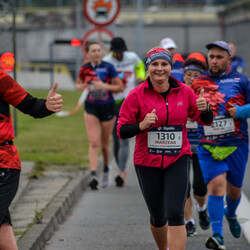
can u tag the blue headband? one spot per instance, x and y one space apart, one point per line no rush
160 55
194 68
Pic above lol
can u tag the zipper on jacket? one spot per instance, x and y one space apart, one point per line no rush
167 111
166 124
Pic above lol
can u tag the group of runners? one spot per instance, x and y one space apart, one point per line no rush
177 102
179 110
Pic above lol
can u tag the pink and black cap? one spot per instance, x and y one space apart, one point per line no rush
220 44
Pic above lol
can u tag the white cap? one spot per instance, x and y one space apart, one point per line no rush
168 43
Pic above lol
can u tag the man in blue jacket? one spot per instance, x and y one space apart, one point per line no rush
238 63
223 149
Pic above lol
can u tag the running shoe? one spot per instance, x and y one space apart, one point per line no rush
234 225
191 229
215 242
105 179
93 183
119 181
204 219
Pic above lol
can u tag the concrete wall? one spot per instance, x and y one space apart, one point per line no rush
34 44
235 24
239 34
190 31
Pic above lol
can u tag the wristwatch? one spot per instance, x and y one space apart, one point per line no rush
208 108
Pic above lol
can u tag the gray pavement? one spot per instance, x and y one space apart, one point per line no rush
106 219
74 217
117 219
41 204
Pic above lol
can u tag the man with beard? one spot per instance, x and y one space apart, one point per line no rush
223 149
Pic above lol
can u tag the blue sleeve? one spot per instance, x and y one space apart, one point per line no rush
113 72
243 112
247 90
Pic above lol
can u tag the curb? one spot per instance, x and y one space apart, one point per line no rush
54 214
23 183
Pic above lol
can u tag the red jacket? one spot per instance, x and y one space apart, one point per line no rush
180 104
12 93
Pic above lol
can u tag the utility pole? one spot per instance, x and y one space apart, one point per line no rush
8 7
78 34
139 28
14 52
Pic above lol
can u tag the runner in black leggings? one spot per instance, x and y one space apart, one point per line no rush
156 112
165 197
194 65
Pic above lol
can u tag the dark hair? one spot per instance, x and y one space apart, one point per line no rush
194 61
89 43
118 45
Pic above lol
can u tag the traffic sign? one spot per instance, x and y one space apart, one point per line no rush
101 35
101 12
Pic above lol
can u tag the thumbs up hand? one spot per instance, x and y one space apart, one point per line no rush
54 100
201 102
148 120
232 109
201 93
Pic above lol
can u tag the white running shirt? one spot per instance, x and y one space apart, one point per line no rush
126 70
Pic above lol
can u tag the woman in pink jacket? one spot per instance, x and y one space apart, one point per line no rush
156 112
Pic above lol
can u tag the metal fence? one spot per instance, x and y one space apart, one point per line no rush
124 3
180 3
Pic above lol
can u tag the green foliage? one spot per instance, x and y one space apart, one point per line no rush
19 234
53 140
38 214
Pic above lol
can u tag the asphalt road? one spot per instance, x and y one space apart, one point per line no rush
117 219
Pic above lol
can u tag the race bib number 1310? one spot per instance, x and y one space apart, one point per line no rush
165 140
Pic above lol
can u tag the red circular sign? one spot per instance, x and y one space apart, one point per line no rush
101 35
101 12
7 61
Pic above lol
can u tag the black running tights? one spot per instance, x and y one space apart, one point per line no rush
165 191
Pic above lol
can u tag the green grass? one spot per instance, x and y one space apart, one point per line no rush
57 141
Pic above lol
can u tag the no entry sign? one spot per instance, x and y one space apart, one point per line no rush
101 35
101 12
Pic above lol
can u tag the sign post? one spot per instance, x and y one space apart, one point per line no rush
101 13
101 35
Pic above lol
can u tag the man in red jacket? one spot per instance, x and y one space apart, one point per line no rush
10 165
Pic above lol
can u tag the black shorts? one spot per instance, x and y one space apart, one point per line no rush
104 112
9 180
